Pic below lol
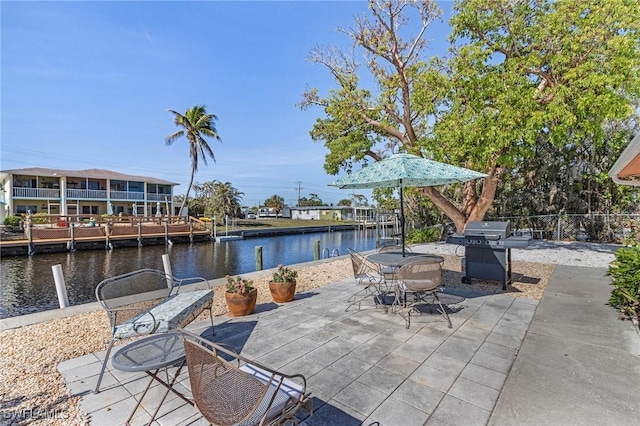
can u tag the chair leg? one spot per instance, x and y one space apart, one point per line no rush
213 330
443 311
104 366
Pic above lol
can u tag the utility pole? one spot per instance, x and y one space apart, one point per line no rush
299 188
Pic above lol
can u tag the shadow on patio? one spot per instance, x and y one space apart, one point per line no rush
362 366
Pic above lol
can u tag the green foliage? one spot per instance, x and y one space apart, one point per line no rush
284 275
239 285
40 218
540 95
12 222
423 235
313 200
275 202
196 124
625 270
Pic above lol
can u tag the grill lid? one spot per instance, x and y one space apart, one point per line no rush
491 230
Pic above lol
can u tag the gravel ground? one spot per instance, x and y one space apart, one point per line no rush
30 384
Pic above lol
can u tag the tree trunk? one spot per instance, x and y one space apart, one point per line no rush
474 209
186 195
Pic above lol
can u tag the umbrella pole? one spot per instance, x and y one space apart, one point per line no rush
402 220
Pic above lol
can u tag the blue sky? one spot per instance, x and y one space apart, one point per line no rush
88 85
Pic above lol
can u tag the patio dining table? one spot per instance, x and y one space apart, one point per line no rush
395 259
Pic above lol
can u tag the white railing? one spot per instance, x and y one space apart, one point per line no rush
87 194
158 197
36 193
126 195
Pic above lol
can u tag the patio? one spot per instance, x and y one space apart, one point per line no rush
362 367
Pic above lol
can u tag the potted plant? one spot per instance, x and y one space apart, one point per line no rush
241 296
283 284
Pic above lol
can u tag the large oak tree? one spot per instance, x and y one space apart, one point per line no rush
520 73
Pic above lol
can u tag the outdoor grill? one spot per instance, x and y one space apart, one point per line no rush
488 251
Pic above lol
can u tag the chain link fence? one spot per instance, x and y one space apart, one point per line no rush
604 228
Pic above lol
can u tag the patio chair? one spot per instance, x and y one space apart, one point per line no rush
389 272
148 301
228 389
419 278
368 276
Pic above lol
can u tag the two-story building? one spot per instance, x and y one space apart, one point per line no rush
84 192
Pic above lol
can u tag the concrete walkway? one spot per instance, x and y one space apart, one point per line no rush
507 361
579 364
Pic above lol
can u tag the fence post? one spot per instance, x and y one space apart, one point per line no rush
558 229
61 288
258 251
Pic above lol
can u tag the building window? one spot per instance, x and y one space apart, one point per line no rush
24 209
89 209
136 186
118 185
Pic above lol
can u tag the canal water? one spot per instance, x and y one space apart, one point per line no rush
27 282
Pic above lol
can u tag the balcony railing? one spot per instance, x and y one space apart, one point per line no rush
93 194
158 197
126 195
36 193
86 194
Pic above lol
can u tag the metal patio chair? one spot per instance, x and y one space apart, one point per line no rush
419 278
368 276
228 389
148 301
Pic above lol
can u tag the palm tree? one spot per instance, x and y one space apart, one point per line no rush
196 125
227 199
275 202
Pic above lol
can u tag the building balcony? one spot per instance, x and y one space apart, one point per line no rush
39 193
126 195
87 194
158 197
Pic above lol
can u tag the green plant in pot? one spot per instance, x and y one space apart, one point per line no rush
283 284
241 296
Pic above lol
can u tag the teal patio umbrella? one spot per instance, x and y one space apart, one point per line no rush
404 171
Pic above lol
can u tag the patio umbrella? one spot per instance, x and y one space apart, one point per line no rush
404 171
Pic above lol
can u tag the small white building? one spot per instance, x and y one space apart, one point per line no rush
337 213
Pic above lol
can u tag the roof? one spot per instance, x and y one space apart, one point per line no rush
626 171
88 173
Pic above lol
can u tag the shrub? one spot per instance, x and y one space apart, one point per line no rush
424 235
40 218
12 222
625 270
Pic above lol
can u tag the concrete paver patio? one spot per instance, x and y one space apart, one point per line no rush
362 366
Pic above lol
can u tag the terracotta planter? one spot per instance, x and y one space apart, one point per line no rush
241 304
282 292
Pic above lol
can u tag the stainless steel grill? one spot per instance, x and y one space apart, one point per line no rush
488 250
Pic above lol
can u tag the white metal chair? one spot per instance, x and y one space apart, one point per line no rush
419 278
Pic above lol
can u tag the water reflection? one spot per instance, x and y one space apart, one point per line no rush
27 282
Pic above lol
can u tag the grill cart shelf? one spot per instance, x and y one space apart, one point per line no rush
488 251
